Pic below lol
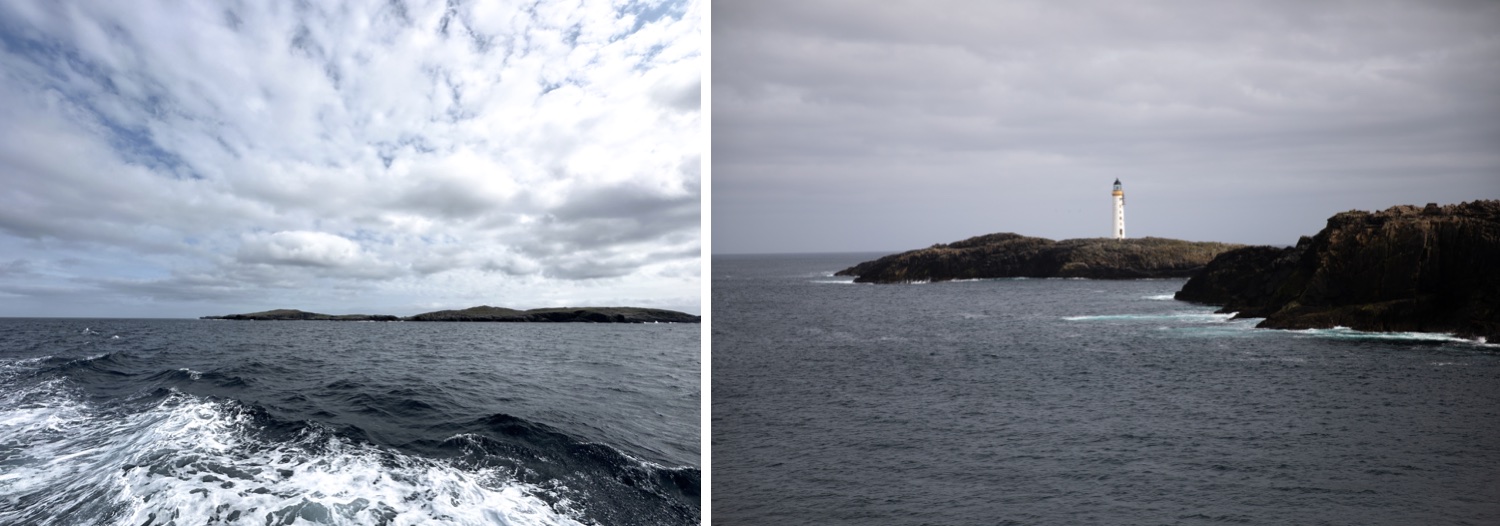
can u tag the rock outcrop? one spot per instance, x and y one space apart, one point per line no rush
1407 268
1008 255
487 313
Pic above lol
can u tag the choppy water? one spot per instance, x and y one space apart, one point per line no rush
1078 402
196 422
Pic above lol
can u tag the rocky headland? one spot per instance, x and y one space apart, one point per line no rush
487 313
1407 268
1007 255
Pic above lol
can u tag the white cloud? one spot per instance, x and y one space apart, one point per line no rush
301 248
364 144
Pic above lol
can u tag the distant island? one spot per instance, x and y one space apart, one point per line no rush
1407 268
487 313
1009 255
294 314
560 314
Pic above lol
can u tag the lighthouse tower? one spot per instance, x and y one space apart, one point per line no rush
1119 231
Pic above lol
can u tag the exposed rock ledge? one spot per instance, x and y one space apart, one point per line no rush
1408 268
1008 255
487 313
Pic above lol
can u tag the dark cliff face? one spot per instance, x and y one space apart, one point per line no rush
1407 268
1246 280
1008 255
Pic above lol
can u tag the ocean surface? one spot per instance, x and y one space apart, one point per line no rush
154 422
1078 402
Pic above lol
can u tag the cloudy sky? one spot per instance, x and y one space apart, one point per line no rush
388 156
841 125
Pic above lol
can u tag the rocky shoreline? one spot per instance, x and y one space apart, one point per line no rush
1407 268
1009 255
485 313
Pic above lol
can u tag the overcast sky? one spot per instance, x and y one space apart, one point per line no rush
392 156
841 125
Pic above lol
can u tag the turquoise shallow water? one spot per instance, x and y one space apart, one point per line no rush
1078 402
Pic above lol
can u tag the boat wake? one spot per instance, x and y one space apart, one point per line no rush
165 456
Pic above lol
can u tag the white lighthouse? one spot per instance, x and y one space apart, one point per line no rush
1119 194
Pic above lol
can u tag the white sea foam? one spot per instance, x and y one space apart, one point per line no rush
1227 321
194 461
11 368
1345 333
1169 296
1195 317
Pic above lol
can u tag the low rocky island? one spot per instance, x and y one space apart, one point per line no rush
294 314
561 314
1007 255
1407 268
487 313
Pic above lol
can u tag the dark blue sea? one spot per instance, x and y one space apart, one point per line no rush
187 422
1078 402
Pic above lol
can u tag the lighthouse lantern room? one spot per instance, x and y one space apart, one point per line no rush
1119 193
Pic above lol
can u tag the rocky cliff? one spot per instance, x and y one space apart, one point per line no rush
1407 268
1008 255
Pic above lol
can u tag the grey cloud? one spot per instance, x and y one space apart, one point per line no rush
16 268
612 264
198 289
449 199
596 219
877 127
680 96
514 266
497 259
45 290
675 209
